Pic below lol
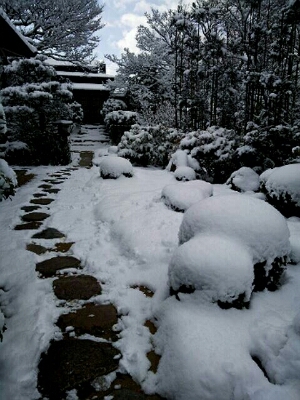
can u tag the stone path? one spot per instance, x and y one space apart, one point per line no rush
71 363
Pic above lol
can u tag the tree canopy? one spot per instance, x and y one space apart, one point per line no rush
62 29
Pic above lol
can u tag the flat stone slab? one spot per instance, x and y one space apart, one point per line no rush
42 202
49 233
29 226
38 195
86 158
63 247
71 363
45 186
79 287
36 248
49 267
35 216
30 208
94 319
51 190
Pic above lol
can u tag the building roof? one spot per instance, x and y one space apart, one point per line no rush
84 74
90 86
12 42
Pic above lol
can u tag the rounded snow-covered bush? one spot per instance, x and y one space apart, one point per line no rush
253 223
185 174
112 167
8 180
181 195
118 122
226 275
112 105
282 187
243 180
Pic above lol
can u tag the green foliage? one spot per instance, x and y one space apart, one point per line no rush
117 122
33 101
149 145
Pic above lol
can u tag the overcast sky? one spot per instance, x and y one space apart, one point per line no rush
121 18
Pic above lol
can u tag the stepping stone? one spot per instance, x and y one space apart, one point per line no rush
49 233
49 267
86 159
71 363
51 190
35 216
150 325
80 287
38 195
43 202
29 225
45 186
36 248
147 292
30 208
94 319
63 247
154 360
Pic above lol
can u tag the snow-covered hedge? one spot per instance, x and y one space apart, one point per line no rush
8 180
282 188
251 223
112 105
243 180
117 122
149 145
112 167
214 149
180 196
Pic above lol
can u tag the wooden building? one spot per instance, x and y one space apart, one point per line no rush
90 87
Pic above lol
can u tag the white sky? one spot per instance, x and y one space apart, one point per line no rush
122 17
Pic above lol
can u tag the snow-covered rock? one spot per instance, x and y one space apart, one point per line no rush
185 174
282 186
243 180
225 275
113 167
181 195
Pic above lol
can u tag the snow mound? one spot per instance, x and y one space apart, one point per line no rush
294 227
113 167
185 174
221 275
251 221
8 180
243 180
180 196
282 185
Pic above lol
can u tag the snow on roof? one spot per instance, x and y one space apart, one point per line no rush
29 49
85 74
90 86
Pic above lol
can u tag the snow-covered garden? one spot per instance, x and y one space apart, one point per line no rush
223 267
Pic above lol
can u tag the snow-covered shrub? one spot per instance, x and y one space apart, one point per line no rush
243 180
251 222
8 180
267 147
33 100
117 122
282 188
214 149
185 174
112 167
224 276
180 196
112 105
149 145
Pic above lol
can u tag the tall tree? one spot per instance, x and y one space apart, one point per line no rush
62 29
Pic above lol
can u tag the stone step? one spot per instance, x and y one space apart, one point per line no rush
78 287
50 267
48 233
29 226
35 216
42 202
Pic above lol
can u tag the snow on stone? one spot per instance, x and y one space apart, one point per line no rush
181 195
244 179
185 174
253 222
220 274
113 167
284 180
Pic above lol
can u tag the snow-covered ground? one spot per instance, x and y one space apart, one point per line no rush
126 236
